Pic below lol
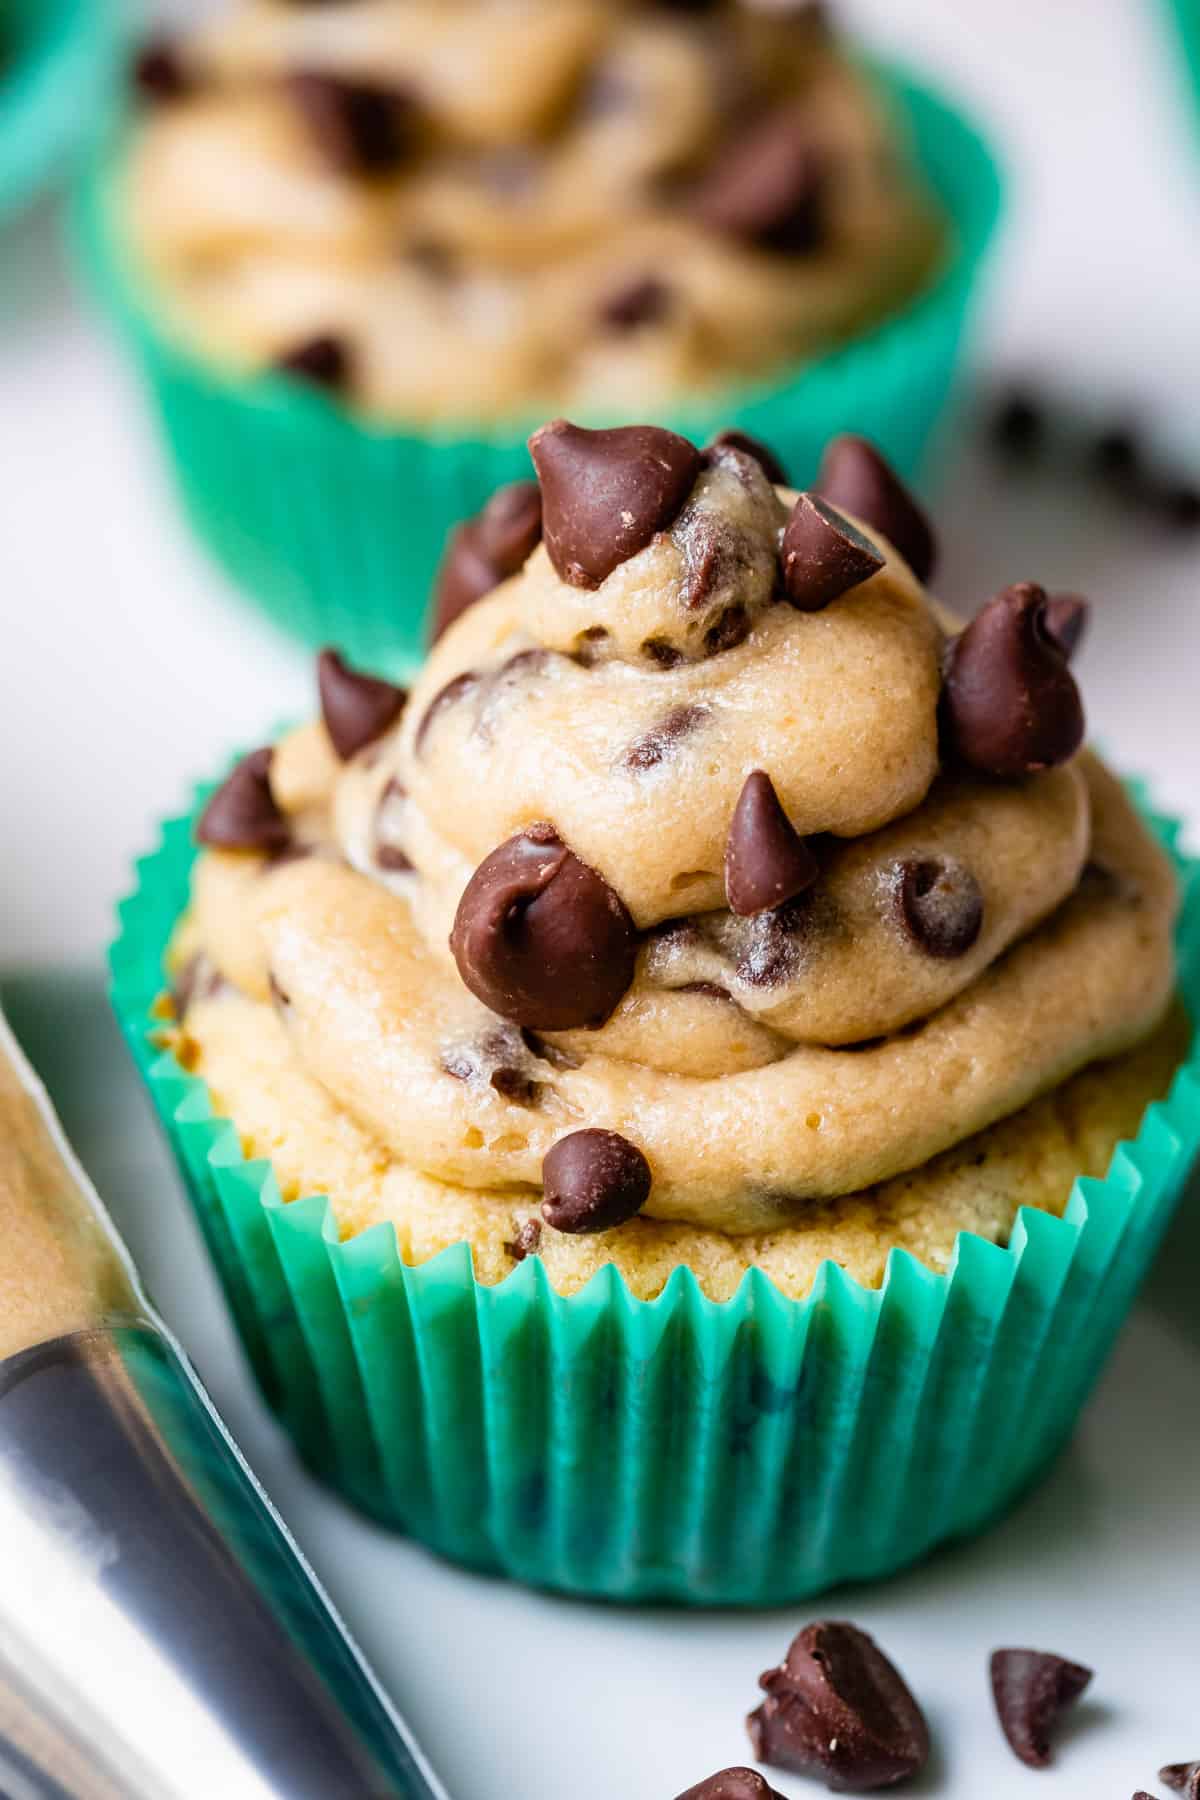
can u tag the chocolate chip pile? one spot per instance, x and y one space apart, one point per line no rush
493 209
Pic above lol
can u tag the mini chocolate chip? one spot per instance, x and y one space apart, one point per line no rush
855 477
484 551
160 73
242 814
732 1784
1067 620
767 460
837 1708
593 1180
939 904
823 555
361 127
769 954
643 301
768 186
708 989
661 652
1031 1688
1182 1778
605 494
766 860
527 1240
456 689
323 360
730 628
356 708
647 751
1116 454
1017 426
1178 503
541 938
516 1085
1010 702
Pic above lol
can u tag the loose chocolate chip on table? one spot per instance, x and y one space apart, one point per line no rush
1031 1688
643 301
854 477
242 814
323 360
768 186
541 938
605 494
766 859
939 904
1010 703
486 550
732 1784
360 127
1182 1778
647 751
160 73
527 1240
766 458
836 1708
356 708
1067 620
593 1180
1017 425
823 556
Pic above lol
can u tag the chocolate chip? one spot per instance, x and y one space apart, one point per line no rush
1010 703
855 477
823 555
939 905
605 494
1143 1795
838 1709
386 848
541 938
730 628
666 655
455 690
768 186
1116 455
766 860
242 814
1067 620
323 360
356 708
767 460
593 1180
1017 426
484 551
359 126
732 1784
160 73
647 751
515 1085
1031 1688
1182 1778
769 953
1178 504
527 1240
643 301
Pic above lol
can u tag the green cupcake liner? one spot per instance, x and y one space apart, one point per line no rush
57 60
752 1451
336 527
1187 19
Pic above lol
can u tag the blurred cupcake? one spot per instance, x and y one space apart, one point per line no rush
697 1000
450 220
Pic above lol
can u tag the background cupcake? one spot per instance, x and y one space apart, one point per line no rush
453 222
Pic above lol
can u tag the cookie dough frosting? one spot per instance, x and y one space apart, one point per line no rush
708 874
475 209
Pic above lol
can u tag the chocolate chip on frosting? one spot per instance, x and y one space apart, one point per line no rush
527 1240
486 550
361 127
939 904
766 859
768 186
836 1708
160 72
242 814
655 745
356 708
1010 703
766 458
823 555
1031 1688
855 477
643 301
732 1784
541 938
1067 618
323 360
593 1181
605 494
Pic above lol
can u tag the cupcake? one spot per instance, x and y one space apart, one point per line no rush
386 234
697 1000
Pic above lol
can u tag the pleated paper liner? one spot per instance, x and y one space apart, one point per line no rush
751 1451
1187 20
335 527
57 60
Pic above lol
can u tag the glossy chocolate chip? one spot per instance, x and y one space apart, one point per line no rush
766 458
1010 703
323 360
642 301
823 555
939 905
655 745
732 1784
159 72
768 186
1031 1688
356 708
541 938
593 1180
484 551
855 477
1067 618
605 494
836 1708
766 860
359 127
1182 1778
242 814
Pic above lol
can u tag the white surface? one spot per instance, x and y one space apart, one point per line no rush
126 668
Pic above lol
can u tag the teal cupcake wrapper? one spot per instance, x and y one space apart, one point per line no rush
1186 14
751 1451
336 527
57 60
